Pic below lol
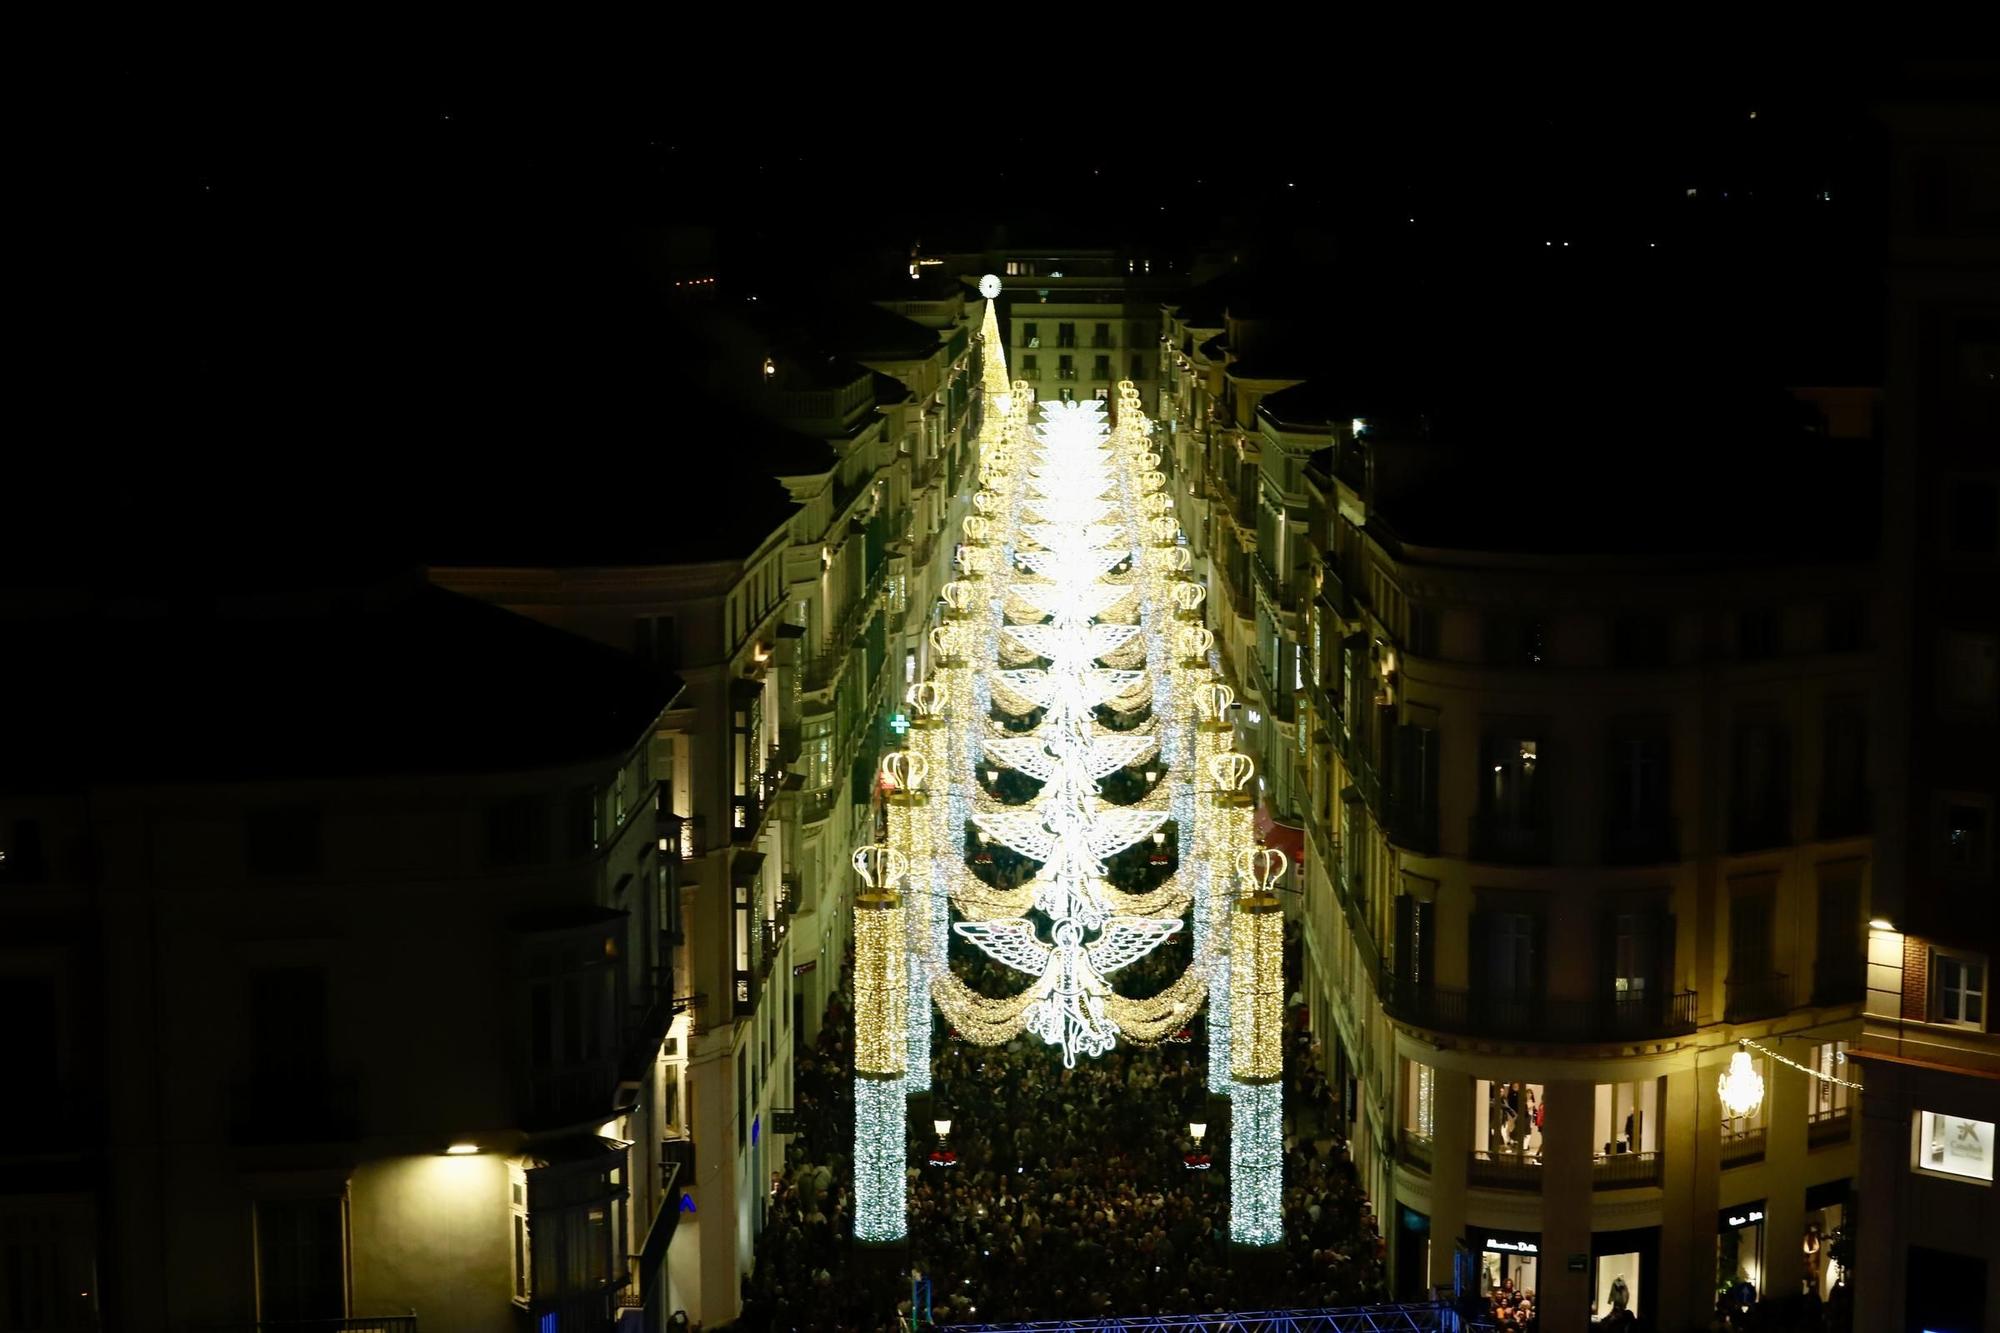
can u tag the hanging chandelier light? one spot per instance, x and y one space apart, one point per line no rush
1741 1087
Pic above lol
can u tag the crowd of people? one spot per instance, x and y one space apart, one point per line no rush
1514 1311
1071 1193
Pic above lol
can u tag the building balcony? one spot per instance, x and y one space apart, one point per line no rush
1640 842
295 1108
818 804
1743 1147
571 1095
1504 1171
1501 841
747 812
1413 826
684 835
1826 1128
1415 1149
1754 997
1066 373
1336 594
1839 980
676 1162
1103 342
1626 1016
1625 1171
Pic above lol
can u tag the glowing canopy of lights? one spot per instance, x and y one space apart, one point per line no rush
1069 649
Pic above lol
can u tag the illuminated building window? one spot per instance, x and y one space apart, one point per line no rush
1946 1145
1958 994
1826 1099
1962 848
1420 1100
517 1220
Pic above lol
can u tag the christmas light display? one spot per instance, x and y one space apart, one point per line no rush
1068 649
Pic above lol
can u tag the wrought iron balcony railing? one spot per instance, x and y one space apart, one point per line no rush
1619 1016
1625 1170
1759 996
1504 1170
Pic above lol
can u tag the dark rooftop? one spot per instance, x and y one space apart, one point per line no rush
1312 405
1739 476
395 678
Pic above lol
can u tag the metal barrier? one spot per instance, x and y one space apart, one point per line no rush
1418 1317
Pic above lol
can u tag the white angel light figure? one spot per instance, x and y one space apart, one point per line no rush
1070 1013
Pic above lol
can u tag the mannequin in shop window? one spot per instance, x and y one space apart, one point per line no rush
1620 1315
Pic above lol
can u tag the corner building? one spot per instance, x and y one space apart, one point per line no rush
789 587
1585 801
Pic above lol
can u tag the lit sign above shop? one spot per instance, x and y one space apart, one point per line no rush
1947 1145
1752 1215
1519 1246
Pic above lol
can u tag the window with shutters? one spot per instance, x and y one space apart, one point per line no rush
301 1258
571 1011
1760 788
1638 820
1963 848
1414 804
1755 988
1511 962
1839 958
1958 990
1843 792
576 1226
1827 1100
1513 821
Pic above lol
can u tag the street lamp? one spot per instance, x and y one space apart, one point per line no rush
1195 1158
942 1155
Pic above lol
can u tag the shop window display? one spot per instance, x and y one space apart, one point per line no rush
1739 1256
1508 1118
1507 1272
1627 1118
1617 1300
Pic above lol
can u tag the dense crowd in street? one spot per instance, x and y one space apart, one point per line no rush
1070 1194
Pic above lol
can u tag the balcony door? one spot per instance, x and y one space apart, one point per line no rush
301 1258
1416 945
1638 963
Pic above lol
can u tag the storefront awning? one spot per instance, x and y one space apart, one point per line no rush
1287 838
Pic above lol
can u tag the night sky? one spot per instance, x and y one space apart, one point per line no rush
357 312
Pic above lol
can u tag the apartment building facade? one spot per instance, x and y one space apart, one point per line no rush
797 625
1079 321
1930 1231
1573 826
343 996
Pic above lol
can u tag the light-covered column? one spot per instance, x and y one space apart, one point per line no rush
1229 830
881 1037
906 773
1256 1062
